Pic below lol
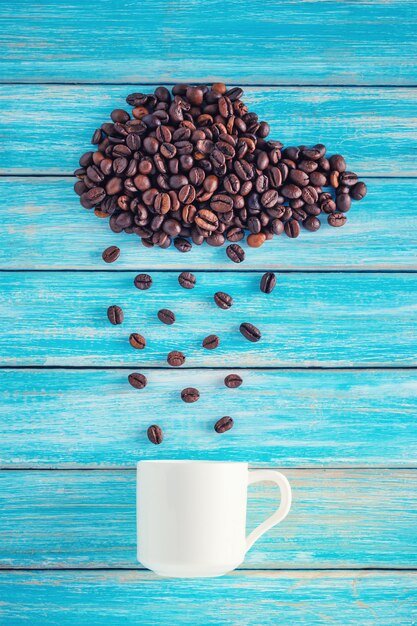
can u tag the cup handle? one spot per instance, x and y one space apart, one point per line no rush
270 475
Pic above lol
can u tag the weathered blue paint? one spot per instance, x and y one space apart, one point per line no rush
257 42
46 228
339 519
130 598
330 319
46 128
297 418
350 518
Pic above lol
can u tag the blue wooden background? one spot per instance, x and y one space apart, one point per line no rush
331 396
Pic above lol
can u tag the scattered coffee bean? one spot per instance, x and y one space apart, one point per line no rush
223 424
181 244
155 434
111 254
358 191
166 316
211 342
233 381
336 219
268 282
143 281
176 358
250 332
190 394
137 341
223 300
187 280
115 315
235 253
138 381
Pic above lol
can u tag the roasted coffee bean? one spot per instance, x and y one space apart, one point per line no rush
187 280
292 228
223 424
277 226
250 332
138 381
175 358
235 253
312 224
256 241
143 281
115 315
336 219
233 381
137 341
223 300
181 244
309 194
254 224
346 178
111 254
166 316
268 282
343 202
221 203
155 434
235 234
206 220
300 178
211 342
291 191
337 163
358 191
190 394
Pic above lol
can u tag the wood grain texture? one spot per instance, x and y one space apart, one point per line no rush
132 598
59 318
339 519
46 228
46 128
298 418
293 42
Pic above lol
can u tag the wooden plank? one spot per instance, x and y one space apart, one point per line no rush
330 319
340 519
303 418
45 128
301 43
47 229
131 598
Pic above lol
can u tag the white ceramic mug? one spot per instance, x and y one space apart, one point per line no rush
191 515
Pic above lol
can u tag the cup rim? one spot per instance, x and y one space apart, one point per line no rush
189 462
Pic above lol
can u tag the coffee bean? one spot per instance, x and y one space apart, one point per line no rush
292 228
337 163
190 394
223 300
138 381
221 203
223 424
358 191
312 224
115 314
235 253
166 316
137 341
182 244
233 381
255 241
175 358
334 179
343 203
187 280
111 254
155 434
143 281
250 332
268 282
211 342
336 219
348 178
291 191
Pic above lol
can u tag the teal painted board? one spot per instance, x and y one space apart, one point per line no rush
257 42
297 418
130 598
46 228
339 519
329 319
45 128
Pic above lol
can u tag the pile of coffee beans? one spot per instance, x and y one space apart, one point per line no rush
195 165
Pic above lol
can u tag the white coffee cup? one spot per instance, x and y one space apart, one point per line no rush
191 515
